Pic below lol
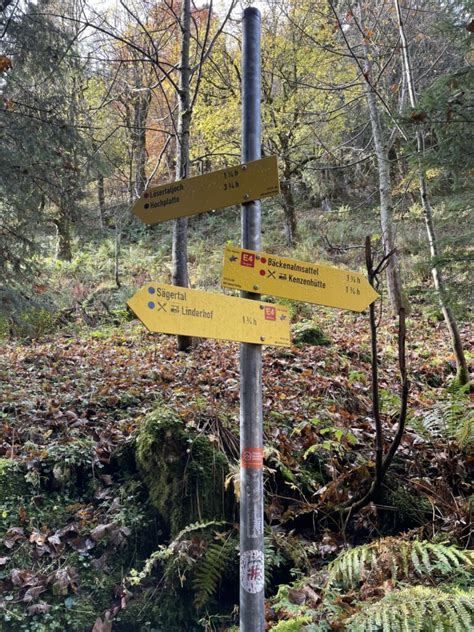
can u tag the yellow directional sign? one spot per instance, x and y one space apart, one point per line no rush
175 310
216 190
309 282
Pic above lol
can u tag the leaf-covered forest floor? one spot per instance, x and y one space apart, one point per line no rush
74 514
86 542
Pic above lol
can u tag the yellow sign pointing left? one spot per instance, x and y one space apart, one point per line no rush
215 190
174 310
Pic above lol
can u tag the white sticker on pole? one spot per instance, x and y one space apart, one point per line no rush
252 576
254 495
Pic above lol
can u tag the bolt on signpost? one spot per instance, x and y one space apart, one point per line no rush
252 616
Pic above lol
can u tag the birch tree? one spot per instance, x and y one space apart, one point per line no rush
438 279
356 27
186 102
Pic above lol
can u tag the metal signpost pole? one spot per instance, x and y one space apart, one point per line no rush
252 616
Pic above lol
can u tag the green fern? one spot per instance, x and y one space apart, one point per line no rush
196 526
169 556
210 569
273 557
292 549
451 419
396 558
417 609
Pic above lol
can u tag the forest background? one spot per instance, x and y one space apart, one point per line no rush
368 107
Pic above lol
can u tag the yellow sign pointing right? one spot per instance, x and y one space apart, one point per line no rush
264 273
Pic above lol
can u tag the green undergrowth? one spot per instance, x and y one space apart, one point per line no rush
390 585
65 553
417 609
307 333
450 417
85 290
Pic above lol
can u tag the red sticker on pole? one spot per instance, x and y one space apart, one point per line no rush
252 458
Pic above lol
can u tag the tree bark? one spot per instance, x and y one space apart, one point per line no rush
101 199
438 280
118 244
63 226
289 210
141 108
289 206
180 227
394 281
382 463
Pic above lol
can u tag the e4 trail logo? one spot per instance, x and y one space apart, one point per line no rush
247 259
270 313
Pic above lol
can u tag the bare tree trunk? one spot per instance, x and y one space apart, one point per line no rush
289 206
101 199
394 281
141 108
130 151
289 210
180 228
440 286
118 244
386 206
382 462
439 283
63 226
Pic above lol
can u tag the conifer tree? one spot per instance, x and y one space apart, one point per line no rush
43 154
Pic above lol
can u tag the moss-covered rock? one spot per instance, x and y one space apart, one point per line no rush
184 473
307 333
12 480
